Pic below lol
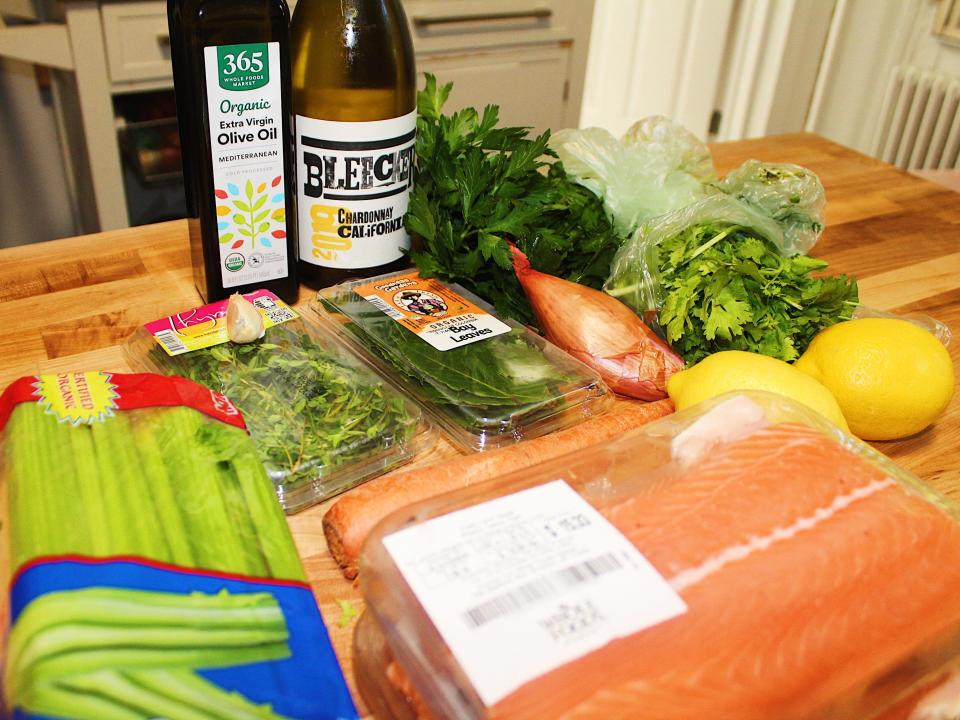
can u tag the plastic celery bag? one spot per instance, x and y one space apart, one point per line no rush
322 419
152 572
744 538
656 167
790 194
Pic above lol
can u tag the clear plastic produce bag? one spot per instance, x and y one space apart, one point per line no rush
928 323
656 167
790 194
634 277
740 560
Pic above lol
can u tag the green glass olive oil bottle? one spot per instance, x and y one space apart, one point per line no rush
231 71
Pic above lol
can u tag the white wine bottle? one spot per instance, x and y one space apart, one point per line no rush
354 95
231 72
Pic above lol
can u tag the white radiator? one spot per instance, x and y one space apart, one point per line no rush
920 121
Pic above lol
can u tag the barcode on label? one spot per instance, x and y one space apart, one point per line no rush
275 313
540 589
170 341
384 307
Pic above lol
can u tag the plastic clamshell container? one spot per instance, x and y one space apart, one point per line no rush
474 392
820 581
322 418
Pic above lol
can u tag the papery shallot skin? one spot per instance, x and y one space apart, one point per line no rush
600 331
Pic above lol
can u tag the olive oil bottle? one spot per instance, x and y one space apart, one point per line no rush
354 95
231 61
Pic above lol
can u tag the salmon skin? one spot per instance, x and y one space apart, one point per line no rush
817 585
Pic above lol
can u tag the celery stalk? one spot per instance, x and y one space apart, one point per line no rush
90 508
262 507
160 478
31 523
52 700
204 695
115 686
213 538
123 491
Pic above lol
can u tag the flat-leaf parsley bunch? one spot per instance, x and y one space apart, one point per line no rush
726 288
479 185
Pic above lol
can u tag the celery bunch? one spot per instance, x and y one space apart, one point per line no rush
168 484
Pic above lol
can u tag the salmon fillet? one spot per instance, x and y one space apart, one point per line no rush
808 573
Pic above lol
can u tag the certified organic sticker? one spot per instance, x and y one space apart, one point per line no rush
234 262
77 397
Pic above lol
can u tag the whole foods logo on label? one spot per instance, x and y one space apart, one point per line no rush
243 67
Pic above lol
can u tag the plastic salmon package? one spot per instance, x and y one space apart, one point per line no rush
740 560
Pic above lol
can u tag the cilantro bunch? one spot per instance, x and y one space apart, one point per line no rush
478 185
725 287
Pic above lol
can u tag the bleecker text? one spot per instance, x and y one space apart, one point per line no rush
355 172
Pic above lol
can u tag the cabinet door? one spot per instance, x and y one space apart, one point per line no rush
529 85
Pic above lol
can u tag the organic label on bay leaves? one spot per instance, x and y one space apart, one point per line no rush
431 310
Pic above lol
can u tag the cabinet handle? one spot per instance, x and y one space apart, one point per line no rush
163 39
537 14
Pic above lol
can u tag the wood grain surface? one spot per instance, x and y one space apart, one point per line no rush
70 304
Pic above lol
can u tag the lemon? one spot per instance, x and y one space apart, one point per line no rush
737 370
891 377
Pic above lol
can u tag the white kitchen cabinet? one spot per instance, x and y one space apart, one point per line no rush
527 56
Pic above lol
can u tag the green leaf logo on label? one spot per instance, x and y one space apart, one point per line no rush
243 67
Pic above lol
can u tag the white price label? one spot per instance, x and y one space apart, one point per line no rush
539 571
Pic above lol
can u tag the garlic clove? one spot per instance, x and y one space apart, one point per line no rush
244 322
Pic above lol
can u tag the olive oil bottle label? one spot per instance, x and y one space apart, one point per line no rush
246 147
353 186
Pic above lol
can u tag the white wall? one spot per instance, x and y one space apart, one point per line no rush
870 37
756 61
654 57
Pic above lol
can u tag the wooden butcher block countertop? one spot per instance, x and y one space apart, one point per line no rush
70 304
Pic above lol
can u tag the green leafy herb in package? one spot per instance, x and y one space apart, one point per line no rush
487 382
715 277
322 419
656 167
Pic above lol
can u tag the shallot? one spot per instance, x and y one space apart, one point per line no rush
600 331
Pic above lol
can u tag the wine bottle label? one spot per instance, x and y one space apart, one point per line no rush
246 146
353 186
